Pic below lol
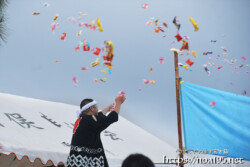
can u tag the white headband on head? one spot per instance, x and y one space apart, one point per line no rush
79 112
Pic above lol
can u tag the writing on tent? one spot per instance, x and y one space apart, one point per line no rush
66 144
17 118
69 125
112 135
50 120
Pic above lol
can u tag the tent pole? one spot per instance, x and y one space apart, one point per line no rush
177 85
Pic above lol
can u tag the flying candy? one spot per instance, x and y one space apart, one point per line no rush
156 22
149 23
184 45
63 36
35 13
176 23
180 64
109 57
224 49
165 24
79 33
57 61
144 6
219 67
77 48
95 80
86 46
95 63
161 29
109 71
213 40
84 68
122 92
99 25
186 67
189 62
146 81
103 79
94 28
139 89
157 30
178 37
194 24
194 53
243 57
53 26
161 60
75 81
97 51
206 69
56 16
212 104
163 36
152 82
103 71
97 58
86 25
150 70
233 61
90 25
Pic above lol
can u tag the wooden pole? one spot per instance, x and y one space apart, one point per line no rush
177 85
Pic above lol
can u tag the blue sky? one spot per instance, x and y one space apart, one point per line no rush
28 68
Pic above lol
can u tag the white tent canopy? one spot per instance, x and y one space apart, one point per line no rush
42 129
